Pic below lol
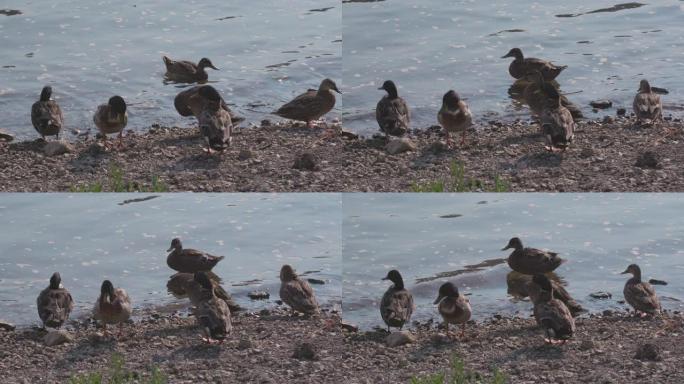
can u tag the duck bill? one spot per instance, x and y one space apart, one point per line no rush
507 55
625 272
384 278
439 298
337 90
170 249
212 67
506 247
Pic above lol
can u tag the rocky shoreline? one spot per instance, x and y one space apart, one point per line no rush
610 156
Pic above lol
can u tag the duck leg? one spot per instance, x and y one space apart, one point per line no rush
120 144
463 327
463 138
448 139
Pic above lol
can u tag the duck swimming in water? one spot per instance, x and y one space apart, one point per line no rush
191 103
396 305
522 65
190 260
183 71
46 115
531 261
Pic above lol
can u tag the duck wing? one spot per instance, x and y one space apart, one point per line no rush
299 295
555 318
46 117
396 307
308 106
558 126
393 116
216 128
180 67
54 306
642 297
647 106
213 317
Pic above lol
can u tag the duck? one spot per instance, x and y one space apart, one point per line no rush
521 65
311 105
521 286
551 314
647 105
211 312
183 71
392 113
189 260
396 305
112 118
538 95
46 115
113 306
214 122
183 285
558 126
531 261
454 116
296 292
640 294
190 103
454 307
54 303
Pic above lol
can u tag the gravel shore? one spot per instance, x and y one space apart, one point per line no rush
606 157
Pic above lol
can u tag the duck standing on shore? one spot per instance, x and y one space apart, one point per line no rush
191 103
112 118
539 94
113 306
183 71
454 116
454 307
559 292
522 65
296 292
396 305
551 314
392 112
531 261
647 105
211 312
214 122
640 294
54 303
46 115
190 260
311 105
558 126
183 285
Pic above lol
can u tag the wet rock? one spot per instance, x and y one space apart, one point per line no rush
397 339
621 111
245 154
648 352
56 148
608 119
601 104
315 281
57 337
7 326
259 295
305 162
349 327
657 282
600 295
660 91
647 159
304 351
396 146
245 343
349 135
6 136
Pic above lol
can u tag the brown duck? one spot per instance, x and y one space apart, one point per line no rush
212 313
558 126
531 261
113 306
214 122
112 118
539 93
296 292
454 116
396 305
46 115
190 260
183 71
453 306
311 105
640 294
551 314
392 112
647 105
183 285
54 303
190 103
521 65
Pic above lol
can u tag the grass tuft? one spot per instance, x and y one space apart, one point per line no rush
459 182
117 374
116 182
458 374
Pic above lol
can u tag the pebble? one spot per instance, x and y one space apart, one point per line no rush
7 326
245 154
397 339
397 146
6 136
647 159
600 295
601 104
245 343
259 295
305 162
648 352
304 351
57 337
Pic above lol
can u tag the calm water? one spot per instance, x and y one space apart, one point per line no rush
267 52
91 237
430 46
599 235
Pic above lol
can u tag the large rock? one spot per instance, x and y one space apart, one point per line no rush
601 104
258 295
401 145
647 159
6 326
57 337
56 148
6 136
648 352
397 339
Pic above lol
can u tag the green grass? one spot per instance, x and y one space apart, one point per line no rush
457 181
116 182
117 374
458 374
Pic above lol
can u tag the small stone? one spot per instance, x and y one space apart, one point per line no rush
608 119
57 337
6 136
607 313
349 135
245 343
401 145
315 281
245 154
621 111
304 351
305 162
397 339
601 104
648 352
586 345
259 295
56 148
647 159
7 326
657 282
349 327
586 153
438 147
265 123
600 295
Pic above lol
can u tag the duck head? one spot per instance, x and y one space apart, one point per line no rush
206 63
328 85
634 270
451 99
203 279
287 273
644 86
395 277
175 245
390 88
447 289
55 281
515 52
107 291
514 243
46 93
117 105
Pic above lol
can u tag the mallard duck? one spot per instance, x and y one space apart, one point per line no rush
538 94
397 305
211 312
454 307
113 306
521 286
640 294
531 261
558 126
54 303
190 103
551 314
392 112
190 260
46 115
182 285
296 292
454 116
184 71
312 105
521 65
647 105
214 122
112 118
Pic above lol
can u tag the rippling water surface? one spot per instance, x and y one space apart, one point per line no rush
267 52
434 238
89 238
